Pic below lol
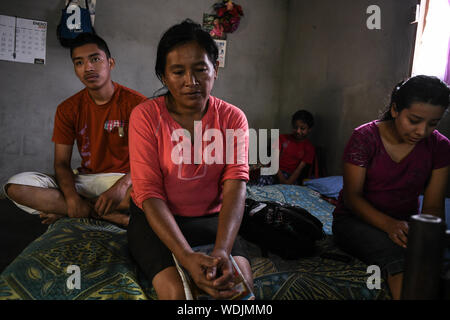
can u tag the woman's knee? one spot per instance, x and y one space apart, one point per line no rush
246 269
168 285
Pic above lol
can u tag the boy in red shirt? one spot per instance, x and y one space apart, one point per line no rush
296 151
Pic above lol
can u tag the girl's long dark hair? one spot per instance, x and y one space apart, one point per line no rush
420 88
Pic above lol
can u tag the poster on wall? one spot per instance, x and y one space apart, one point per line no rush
222 45
82 4
210 24
22 40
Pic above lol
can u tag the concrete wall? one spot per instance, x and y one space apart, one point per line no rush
286 55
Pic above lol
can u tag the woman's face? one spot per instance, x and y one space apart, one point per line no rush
417 122
189 75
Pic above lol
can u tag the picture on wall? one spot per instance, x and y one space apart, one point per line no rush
212 25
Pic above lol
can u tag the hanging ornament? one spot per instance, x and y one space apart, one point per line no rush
228 15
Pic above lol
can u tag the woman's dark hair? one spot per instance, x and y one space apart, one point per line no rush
88 38
304 116
182 33
421 88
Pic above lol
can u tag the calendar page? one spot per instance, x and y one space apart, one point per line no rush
22 40
7 33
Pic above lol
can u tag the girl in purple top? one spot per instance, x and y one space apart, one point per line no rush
388 163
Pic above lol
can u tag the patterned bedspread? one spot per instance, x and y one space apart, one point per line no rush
107 270
98 248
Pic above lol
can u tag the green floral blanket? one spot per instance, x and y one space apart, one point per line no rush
89 259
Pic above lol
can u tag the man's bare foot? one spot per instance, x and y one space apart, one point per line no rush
116 217
119 218
49 218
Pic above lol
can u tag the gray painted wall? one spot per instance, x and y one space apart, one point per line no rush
286 55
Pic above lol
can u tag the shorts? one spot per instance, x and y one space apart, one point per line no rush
87 185
369 244
152 255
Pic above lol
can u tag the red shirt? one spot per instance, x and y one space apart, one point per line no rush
188 189
293 151
391 187
96 129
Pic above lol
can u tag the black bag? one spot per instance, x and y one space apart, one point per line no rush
285 230
65 35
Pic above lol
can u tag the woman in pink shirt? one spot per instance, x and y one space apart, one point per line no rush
189 168
388 163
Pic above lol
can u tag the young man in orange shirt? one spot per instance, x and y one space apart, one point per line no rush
97 119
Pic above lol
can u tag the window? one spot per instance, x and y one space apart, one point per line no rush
431 53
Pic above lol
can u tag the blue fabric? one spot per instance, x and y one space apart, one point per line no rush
328 186
85 24
447 212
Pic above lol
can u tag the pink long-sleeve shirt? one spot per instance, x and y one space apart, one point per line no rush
187 174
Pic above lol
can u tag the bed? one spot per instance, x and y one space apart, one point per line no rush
107 271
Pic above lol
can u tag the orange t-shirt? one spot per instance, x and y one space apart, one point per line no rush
101 131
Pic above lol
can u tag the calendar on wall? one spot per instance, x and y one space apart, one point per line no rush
22 40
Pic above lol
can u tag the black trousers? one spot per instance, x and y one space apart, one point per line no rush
152 255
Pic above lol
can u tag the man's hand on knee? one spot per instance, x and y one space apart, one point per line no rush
78 207
109 200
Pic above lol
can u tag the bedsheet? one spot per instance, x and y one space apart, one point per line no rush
107 271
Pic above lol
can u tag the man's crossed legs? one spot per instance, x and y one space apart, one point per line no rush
39 194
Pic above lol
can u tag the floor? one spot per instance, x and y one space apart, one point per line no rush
17 230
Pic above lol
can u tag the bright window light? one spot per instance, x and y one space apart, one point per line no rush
432 42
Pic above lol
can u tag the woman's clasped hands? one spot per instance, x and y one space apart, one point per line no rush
212 273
